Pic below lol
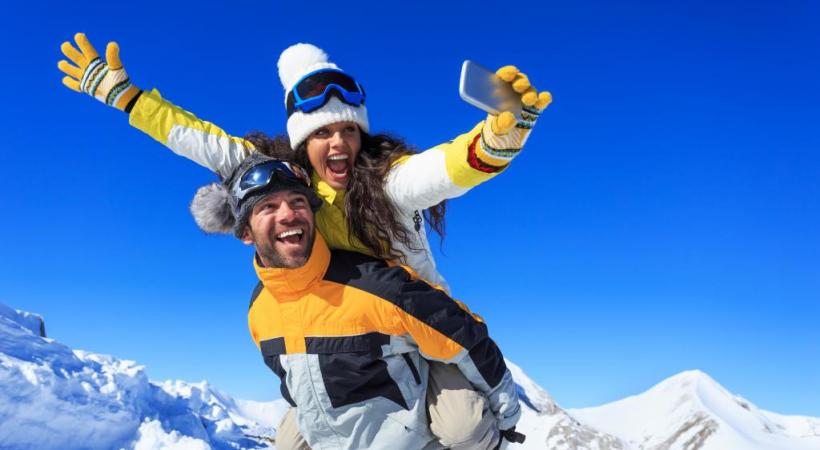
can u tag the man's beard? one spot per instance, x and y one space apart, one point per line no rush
271 258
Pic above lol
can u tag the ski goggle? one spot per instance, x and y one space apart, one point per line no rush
315 89
261 176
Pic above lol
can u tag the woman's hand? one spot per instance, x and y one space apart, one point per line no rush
104 80
534 102
503 135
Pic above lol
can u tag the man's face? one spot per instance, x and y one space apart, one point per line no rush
281 227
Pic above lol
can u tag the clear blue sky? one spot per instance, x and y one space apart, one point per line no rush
664 216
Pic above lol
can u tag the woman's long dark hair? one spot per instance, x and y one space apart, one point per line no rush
371 216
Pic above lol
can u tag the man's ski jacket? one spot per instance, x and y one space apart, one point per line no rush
414 184
350 335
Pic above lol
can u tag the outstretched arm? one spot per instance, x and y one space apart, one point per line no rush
177 129
449 170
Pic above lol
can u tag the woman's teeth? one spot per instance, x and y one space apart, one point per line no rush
337 163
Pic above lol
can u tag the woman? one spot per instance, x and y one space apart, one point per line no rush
376 190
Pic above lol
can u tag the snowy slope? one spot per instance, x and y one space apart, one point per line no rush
547 426
53 397
692 411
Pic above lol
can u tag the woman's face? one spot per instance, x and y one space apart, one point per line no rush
332 150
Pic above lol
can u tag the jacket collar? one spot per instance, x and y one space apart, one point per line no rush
290 284
326 192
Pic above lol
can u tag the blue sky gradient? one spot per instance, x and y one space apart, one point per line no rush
664 215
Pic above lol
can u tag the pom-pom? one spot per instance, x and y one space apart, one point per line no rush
212 210
298 60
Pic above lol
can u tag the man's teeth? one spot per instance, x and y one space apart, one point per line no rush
288 233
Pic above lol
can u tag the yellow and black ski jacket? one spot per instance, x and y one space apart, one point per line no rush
350 335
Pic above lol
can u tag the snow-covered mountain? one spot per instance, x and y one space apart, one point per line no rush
53 397
692 411
547 426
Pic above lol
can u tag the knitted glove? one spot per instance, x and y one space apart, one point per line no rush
503 135
104 80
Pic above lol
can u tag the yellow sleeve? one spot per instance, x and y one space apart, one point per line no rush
187 135
468 165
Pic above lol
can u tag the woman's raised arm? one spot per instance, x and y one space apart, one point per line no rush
182 132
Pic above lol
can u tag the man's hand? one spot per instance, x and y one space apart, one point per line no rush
104 80
534 102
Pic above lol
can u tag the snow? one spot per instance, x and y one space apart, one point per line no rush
692 407
151 436
53 397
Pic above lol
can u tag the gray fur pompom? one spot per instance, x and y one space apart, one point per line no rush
212 210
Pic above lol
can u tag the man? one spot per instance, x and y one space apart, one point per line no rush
350 335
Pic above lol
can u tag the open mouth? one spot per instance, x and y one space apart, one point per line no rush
338 164
292 236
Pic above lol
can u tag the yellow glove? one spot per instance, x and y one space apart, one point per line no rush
104 80
503 136
533 101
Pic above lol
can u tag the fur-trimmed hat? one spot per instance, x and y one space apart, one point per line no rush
216 210
297 61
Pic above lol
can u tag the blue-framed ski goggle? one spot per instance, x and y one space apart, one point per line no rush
315 89
261 175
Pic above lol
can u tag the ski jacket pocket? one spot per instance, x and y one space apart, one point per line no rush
353 368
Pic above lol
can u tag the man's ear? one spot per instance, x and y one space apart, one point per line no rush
247 236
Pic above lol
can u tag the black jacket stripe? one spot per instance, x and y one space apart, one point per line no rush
271 349
256 291
369 342
422 301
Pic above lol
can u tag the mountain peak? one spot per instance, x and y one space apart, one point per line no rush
691 410
27 321
689 377
692 385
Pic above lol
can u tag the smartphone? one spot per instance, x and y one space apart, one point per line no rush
481 88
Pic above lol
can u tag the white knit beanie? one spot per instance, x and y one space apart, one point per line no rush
297 61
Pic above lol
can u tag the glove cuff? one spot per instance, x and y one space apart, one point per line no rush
112 87
500 149
130 105
123 96
529 114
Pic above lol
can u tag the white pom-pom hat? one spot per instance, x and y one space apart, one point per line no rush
294 63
